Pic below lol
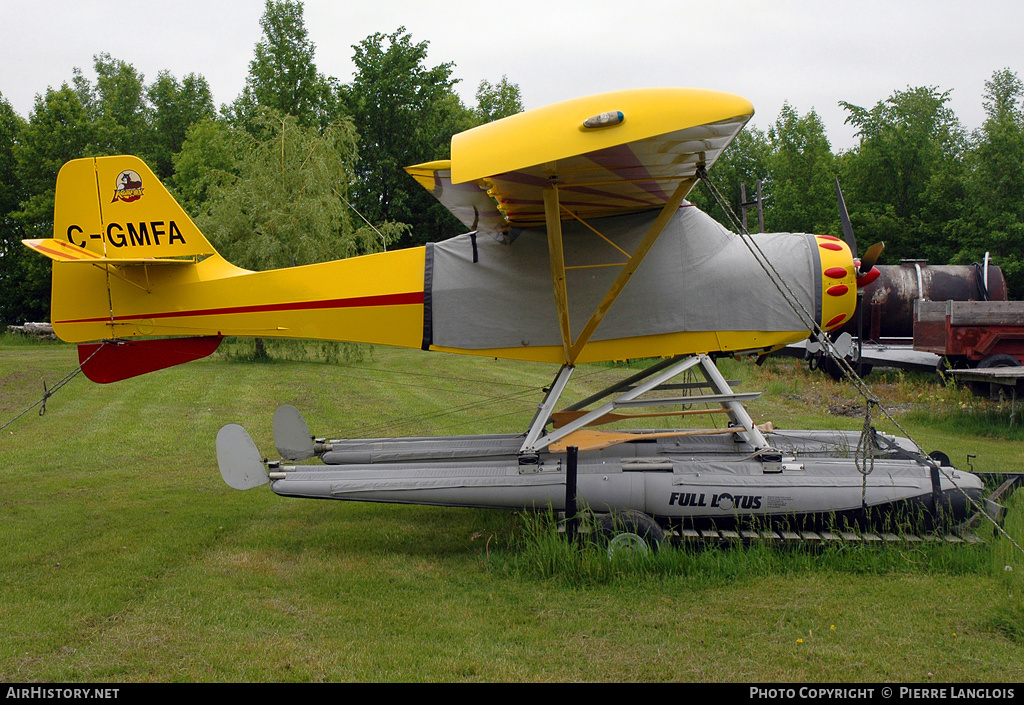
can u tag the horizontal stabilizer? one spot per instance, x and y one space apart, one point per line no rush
62 251
112 361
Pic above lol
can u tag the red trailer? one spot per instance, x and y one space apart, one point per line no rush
980 338
971 333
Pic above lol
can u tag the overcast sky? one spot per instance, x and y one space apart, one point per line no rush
811 53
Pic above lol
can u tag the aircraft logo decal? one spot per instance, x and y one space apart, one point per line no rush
722 501
127 186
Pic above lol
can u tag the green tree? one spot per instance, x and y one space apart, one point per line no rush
286 207
803 175
283 74
116 106
59 129
207 164
908 143
175 107
12 252
496 101
996 182
405 113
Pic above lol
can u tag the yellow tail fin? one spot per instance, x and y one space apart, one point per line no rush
116 209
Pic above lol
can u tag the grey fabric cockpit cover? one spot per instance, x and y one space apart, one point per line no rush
698 276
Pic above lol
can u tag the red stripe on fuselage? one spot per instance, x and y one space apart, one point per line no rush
413 297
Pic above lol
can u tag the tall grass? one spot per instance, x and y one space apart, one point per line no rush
10 339
541 551
287 350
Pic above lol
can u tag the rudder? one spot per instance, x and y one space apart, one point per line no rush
112 219
116 207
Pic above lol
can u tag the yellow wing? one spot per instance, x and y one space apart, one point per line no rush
609 154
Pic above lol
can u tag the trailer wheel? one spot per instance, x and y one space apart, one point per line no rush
630 532
983 389
999 360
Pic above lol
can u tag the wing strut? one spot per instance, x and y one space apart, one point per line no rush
557 256
553 220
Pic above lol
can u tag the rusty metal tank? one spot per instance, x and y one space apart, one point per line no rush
888 302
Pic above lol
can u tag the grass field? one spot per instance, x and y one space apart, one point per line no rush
125 558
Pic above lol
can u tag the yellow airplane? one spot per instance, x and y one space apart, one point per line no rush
581 248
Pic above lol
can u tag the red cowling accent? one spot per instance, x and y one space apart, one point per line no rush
835 321
114 360
865 279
